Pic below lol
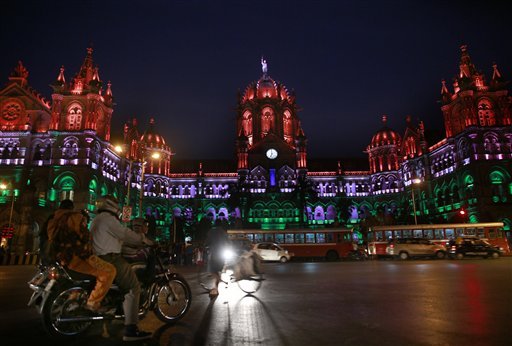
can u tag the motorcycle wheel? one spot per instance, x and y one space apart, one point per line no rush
173 299
61 303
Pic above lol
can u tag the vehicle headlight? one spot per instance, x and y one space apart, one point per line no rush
228 254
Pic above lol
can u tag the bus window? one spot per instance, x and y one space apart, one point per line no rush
389 234
299 238
480 232
279 238
310 238
469 231
288 238
250 237
438 234
450 234
460 232
407 233
398 234
379 236
427 233
330 238
258 238
269 237
417 233
320 238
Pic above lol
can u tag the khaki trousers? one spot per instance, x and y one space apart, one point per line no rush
102 270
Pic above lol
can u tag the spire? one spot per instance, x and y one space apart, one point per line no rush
109 90
496 75
61 79
444 89
445 94
96 75
19 75
87 70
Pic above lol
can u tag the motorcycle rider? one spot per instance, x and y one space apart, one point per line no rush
67 231
108 235
134 252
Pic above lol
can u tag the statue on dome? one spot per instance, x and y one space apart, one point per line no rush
264 66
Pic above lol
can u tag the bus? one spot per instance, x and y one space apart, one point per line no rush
378 236
331 244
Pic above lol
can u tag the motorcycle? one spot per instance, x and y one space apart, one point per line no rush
60 295
358 254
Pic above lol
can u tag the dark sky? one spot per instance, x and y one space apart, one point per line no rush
182 62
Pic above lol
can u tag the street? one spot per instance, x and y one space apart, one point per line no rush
419 302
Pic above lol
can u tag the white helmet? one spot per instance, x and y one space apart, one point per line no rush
109 203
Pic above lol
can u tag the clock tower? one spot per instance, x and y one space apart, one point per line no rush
268 128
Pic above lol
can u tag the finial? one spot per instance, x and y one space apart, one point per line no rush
152 121
384 119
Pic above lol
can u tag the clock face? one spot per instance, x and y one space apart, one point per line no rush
271 154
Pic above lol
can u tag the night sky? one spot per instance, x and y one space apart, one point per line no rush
183 62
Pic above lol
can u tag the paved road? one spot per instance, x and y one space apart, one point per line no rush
430 302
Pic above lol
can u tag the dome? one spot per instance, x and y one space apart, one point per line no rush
150 138
385 136
266 87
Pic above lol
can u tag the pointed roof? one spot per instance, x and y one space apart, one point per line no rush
87 69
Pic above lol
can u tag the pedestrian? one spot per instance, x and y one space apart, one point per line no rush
69 241
216 241
108 235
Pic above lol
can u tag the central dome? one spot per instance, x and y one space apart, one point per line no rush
385 136
150 138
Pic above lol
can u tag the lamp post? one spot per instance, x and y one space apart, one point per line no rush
155 155
415 181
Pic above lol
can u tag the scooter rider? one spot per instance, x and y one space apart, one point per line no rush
108 235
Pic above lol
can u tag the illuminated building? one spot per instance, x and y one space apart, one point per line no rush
52 150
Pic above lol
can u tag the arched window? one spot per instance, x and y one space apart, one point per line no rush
267 120
74 117
498 188
486 115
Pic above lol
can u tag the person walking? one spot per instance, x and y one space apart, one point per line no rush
108 235
216 241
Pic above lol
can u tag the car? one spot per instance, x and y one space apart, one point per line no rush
474 247
272 252
405 248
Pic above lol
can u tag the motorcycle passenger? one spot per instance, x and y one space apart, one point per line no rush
108 235
67 231
135 252
216 240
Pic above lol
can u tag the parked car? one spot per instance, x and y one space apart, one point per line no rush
272 252
474 247
405 248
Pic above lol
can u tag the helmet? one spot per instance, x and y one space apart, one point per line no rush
109 203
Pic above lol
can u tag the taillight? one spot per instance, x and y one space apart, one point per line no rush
392 245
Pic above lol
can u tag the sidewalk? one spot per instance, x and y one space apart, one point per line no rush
11 259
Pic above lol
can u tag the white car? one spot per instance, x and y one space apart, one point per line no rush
272 252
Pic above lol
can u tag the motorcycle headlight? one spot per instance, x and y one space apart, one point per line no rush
53 273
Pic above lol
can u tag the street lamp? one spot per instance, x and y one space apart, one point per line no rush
415 181
155 156
4 187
